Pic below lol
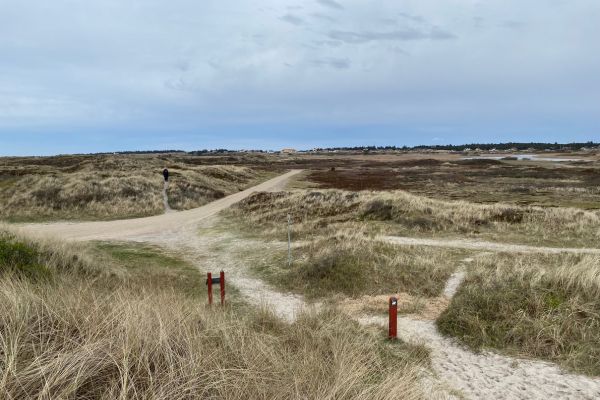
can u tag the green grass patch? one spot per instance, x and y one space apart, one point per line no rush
355 266
151 264
535 306
20 258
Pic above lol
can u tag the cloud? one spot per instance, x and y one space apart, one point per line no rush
440 34
510 24
154 68
292 19
337 63
397 35
323 17
330 43
414 18
331 4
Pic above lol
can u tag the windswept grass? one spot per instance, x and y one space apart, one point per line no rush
91 334
531 305
113 187
402 213
352 264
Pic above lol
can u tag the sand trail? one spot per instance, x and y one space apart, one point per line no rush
487 375
218 251
168 208
483 245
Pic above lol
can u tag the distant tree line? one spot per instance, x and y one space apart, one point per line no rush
513 145
483 146
520 146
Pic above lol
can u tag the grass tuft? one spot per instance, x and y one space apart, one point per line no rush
535 306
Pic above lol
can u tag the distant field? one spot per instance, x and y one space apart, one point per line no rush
125 186
568 184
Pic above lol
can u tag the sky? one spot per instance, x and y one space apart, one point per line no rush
92 76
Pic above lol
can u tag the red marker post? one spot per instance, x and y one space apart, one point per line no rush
222 284
209 283
393 324
209 286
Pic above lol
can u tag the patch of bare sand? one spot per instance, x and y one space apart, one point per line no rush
484 375
418 308
483 245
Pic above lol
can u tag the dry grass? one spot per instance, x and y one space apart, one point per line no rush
421 308
113 187
531 305
351 264
527 305
402 213
104 334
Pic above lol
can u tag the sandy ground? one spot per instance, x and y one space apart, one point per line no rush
474 376
487 375
215 251
166 198
482 245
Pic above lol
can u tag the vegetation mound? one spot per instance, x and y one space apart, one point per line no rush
532 305
112 187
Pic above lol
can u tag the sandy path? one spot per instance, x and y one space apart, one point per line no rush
491 376
178 231
487 375
482 245
216 251
163 224
168 208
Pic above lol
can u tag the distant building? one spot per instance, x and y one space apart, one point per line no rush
289 151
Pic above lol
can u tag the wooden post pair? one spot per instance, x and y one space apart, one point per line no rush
221 281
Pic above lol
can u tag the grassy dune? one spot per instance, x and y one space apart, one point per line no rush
528 305
353 265
531 305
80 323
398 212
112 187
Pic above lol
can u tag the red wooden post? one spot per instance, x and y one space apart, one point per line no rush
209 285
393 324
222 284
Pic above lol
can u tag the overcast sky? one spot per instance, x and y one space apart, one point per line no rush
90 75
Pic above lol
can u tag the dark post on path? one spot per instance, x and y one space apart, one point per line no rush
166 174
